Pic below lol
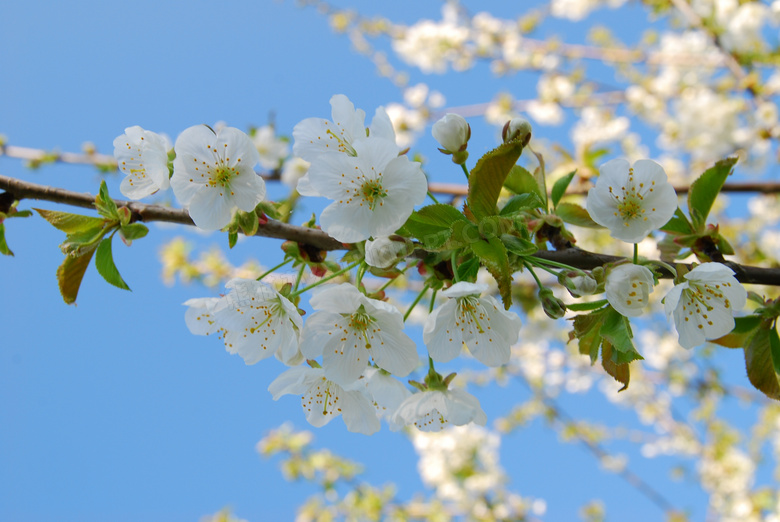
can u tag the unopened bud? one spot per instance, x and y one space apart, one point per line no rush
578 283
552 306
517 129
453 134
384 252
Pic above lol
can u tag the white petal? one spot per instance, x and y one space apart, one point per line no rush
463 288
210 209
247 190
443 340
381 126
348 223
393 351
358 413
341 298
462 408
294 381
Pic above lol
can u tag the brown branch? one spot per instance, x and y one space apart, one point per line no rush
574 256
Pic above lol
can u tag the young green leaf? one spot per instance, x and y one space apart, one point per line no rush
518 246
70 274
133 231
521 202
3 245
488 176
105 205
619 371
492 253
574 214
705 189
762 355
69 223
520 181
560 186
586 330
678 225
617 331
584 307
104 262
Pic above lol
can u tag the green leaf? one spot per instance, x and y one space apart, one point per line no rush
104 262
105 205
584 307
617 331
70 274
586 330
519 246
521 202
488 176
3 245
574 214
762 355
560 186
78 242
248 222
232 238
492 254
678 225
133 231
520 181
19 214
461 233
70 223
619 371
432 225
744 329
469 269
706 188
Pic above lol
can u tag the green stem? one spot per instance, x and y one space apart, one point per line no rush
299 277
414 303
360 273
539 261
433 301
325 279
390 281
274 269
636 253
454 262
545 268
432 197
530 269
465 170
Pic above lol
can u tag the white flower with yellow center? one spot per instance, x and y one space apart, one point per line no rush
480 323
373 193
213 174
323 400
257 322
435 409
272 150
631 201
349 328
199 317
142 156
703 306
628 288
316 136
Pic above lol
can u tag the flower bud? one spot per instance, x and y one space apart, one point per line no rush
453 133
552 306
578 283
383 252
517 129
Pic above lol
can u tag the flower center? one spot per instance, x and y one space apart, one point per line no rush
344 145
470 306
360 322
630 208
222 175
373 192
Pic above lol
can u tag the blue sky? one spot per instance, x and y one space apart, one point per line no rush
111 410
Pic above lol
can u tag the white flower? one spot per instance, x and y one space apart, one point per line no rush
323 400
142 156
517 128
433 410
374 192
452 132
383 252
349 328
272 150
315 136
480 323
628 287
703 306
200 315
386 394
631 201
213 174
294 169
259 322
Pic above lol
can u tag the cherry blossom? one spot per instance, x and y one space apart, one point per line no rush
480 323
213 174
434 409
142 156
348 328
703 306
631 201
323 399
259 322
628 288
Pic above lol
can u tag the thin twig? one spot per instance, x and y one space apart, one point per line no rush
574 256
